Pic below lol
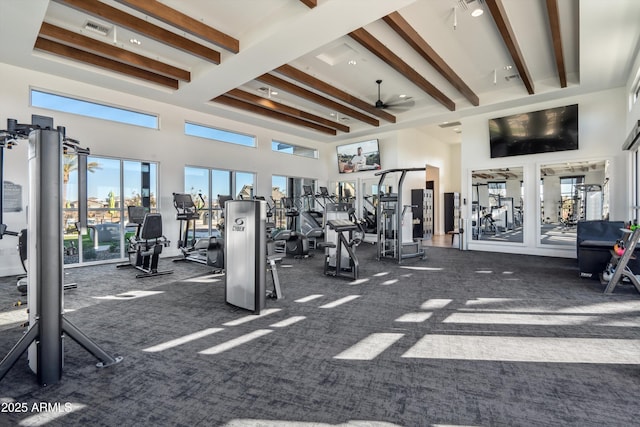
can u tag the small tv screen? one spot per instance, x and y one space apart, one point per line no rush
544 131
359 157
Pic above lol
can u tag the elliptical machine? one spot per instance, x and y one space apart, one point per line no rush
291 241
208 251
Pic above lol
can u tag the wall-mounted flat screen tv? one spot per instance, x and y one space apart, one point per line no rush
359 156
544 131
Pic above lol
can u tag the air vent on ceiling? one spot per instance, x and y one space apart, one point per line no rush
97 28
463 3
449 124
337 54
512 77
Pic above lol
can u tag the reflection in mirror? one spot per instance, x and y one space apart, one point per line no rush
497 205
571 192
345 191
368 210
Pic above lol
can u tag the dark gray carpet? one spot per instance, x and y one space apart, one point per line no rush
290 377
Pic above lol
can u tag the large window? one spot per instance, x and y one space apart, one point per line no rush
112 185
293 188
278 191
202 131
207 187
68 104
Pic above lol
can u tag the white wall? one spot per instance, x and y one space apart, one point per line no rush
411 148
167 146
633 110
633 116
601 124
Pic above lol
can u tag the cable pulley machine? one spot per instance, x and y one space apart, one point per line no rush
47 323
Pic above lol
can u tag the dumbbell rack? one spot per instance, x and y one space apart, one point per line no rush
620 262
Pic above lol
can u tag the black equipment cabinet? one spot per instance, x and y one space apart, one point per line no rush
451 211
422 209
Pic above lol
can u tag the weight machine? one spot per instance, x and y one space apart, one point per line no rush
246 256
336 262
47 322
390 213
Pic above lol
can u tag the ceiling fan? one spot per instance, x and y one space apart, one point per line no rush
402 105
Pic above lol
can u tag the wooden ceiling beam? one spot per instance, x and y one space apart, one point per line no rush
285 109
310 3
556 38
73 53
272 80
385 54
258 109
185 23
411 36
319 85
51 32
496 8
140 26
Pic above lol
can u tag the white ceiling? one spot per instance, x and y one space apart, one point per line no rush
600 41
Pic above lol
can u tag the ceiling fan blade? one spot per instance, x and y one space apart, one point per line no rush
400 106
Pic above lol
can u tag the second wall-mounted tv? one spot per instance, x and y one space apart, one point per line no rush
359 156
544 131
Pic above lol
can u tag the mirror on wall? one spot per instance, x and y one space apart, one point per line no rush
571 192
497 205
345 191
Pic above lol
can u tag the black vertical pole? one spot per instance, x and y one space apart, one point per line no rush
145 185
45 222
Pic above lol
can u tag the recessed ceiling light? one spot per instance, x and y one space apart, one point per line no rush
135 41
274 92
477 12
402 96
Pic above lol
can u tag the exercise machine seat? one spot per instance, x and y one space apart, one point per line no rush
151 227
